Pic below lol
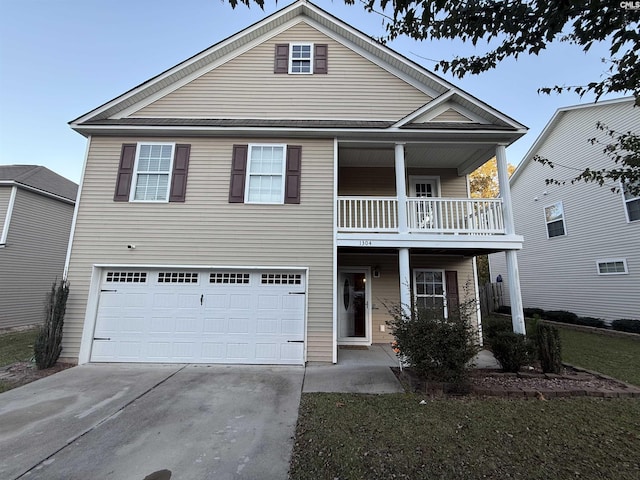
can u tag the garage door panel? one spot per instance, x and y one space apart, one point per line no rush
238 318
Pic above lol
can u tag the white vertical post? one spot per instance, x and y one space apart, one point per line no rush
405 280
513 276
401 190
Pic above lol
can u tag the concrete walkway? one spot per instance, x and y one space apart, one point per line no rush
366 370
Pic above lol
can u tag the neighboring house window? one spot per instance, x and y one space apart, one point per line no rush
554 217
152 172
153 169
266 173
612 266
297 58
430 289
632 205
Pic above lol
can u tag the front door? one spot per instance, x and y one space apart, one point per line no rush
354 326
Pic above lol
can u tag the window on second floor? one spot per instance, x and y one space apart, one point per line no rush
152 172
554 218
265 174
632 205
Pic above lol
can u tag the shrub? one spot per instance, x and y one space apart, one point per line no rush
437 348
532 312
47 346
506 309
549 348
626 325
511 350
491 326
560 316
591 322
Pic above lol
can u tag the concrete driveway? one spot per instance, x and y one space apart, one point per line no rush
154 422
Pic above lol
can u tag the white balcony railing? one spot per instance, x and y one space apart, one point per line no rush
424 215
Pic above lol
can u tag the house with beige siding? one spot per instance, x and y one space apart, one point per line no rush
36 209
263 200
582 240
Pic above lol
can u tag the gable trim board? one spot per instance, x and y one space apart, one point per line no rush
7 218
37 190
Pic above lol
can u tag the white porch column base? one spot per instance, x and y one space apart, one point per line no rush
513 279
405 280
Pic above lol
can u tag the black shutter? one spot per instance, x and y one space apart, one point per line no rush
320 58
292 180
281 62
453 299
179 175
125 172
238 171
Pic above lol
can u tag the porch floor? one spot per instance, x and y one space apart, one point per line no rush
366 370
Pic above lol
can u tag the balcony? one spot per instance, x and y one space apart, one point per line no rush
457 216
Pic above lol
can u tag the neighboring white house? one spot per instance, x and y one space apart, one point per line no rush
261 201
36 209
582 241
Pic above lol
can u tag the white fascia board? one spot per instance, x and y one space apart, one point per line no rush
37 190
7 217
424 109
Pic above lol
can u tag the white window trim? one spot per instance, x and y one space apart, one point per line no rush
546 223
7 219
444 287
413 179
134 180
283 174
311 52
612 260
625 202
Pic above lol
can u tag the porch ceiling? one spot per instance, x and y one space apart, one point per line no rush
464 157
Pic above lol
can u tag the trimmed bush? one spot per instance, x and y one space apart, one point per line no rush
532 312
512 350
560 316
591 322
436 348
506 309
549 348
493 325
47 346
626 325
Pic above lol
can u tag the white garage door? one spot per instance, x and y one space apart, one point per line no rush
253 317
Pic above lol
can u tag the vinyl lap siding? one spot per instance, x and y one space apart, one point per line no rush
246 87
560 273
206 229
450 115
33 257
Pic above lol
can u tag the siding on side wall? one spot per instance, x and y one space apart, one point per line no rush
385 290
246 87
560 273
206 229
33 257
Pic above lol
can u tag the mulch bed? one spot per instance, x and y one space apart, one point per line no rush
21 373
572 382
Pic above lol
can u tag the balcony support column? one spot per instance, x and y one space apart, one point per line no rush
405 280
513 277
401 189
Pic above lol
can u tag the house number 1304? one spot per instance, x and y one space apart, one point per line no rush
365 243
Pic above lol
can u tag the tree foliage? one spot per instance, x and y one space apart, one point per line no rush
483 182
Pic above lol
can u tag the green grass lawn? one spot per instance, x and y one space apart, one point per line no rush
618 357
15 347
350 437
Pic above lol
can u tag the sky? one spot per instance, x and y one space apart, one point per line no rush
60 59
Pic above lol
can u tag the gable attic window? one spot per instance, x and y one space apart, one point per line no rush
554 217
152 172
632 205
300 58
